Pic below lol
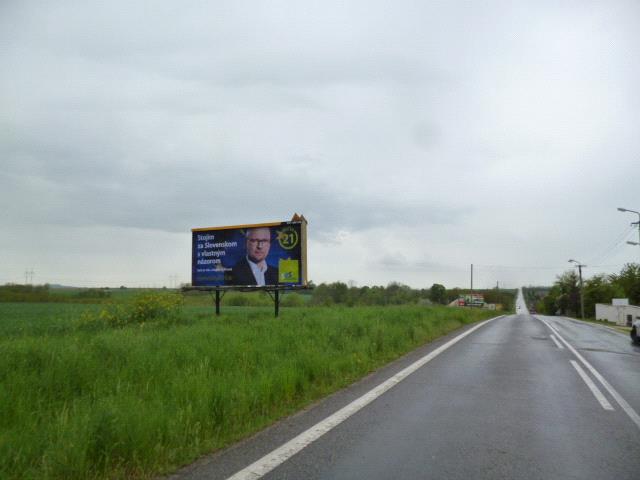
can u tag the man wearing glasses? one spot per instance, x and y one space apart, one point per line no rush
253 268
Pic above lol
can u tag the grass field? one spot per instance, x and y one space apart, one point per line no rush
141 400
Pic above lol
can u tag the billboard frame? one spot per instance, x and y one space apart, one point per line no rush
272 290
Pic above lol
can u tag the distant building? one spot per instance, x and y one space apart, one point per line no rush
619 312
470 300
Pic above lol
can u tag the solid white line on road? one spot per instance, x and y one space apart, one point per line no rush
548 325
592 386
628 409
293 446
555 340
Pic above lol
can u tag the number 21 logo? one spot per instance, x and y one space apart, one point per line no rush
288 238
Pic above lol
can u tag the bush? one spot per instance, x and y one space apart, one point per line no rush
158 308
93 293
249 299
25 293
293 300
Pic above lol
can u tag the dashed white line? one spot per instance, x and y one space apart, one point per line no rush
628 409
281 454
592 386
558 344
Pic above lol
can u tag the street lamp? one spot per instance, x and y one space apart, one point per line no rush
580 265
620 209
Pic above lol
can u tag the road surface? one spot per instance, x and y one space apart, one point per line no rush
519 397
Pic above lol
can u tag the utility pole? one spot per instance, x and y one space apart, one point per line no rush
634 223
580 265
581 291
471 296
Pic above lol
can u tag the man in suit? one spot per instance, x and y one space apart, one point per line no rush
253 269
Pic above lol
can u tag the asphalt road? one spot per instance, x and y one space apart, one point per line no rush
515 398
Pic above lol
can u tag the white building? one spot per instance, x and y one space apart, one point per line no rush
620 312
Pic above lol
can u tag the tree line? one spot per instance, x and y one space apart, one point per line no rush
339 293
12 292
324 294
563 298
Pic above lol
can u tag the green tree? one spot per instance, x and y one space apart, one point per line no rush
629 282
339 292
321 295
564 296
438 294
453 294
550 301
599 289
569 299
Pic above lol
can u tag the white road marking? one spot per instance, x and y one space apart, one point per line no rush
555 340
548 325
628 409
592 386
283 453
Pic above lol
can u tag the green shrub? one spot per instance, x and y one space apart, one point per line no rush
157 308
93 293
293 300
250 299
25 293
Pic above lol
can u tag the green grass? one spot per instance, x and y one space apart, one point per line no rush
38 319
142 400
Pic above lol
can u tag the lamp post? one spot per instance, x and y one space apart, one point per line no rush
620 209
580 265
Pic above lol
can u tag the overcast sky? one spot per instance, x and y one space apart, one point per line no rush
416 137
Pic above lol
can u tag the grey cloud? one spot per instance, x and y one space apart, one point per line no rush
426 136
400 262
512 121
175 197
239 46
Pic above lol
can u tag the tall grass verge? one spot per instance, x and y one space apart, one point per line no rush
132 402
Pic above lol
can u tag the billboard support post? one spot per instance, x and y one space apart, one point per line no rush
276 300
273 292
217 297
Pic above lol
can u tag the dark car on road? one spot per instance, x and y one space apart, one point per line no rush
635 332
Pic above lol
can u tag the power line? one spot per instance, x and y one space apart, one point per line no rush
522 267
606 253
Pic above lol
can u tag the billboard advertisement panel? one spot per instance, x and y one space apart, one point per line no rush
472 300
258 255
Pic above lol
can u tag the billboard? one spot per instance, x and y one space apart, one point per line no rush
257 255
471 300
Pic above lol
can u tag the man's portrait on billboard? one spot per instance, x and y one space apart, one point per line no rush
253 268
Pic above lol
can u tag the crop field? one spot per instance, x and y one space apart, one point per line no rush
139 388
